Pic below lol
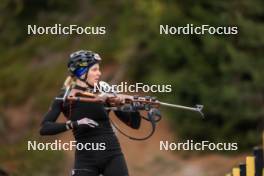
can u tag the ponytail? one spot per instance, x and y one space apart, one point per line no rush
70 80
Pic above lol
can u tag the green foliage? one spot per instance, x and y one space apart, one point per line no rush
222 72
16 15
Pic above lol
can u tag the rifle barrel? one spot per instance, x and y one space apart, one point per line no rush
198 108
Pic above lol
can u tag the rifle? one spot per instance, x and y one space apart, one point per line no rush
129 103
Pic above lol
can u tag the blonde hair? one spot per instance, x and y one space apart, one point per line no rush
70 80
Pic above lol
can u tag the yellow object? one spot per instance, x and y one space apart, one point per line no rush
236 171
228 175
250 165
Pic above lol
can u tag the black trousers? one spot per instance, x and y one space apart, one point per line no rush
111 166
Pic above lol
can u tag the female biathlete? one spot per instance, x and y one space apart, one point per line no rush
89 122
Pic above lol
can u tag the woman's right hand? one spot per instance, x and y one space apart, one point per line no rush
116 101
86 121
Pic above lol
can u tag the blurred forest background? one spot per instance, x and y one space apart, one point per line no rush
224 73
